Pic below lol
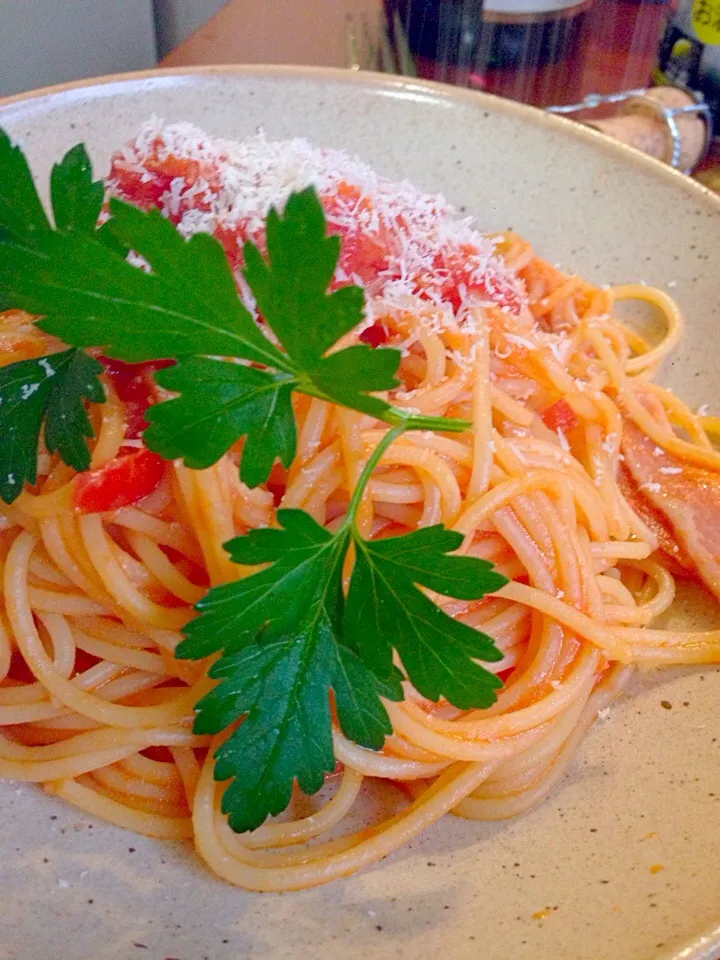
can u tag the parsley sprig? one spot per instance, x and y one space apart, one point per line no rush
292 648
288 636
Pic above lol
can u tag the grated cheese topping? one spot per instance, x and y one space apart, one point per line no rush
399 242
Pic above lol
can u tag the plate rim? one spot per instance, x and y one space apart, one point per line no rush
397 85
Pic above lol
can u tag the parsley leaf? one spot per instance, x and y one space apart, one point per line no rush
90 296
291 287
288 636
76 199
281 631
21 212
294 650
217 403
385 609
50 390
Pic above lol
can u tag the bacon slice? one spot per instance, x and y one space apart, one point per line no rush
679 501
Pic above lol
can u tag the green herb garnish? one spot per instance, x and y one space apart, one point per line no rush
288 636
50 390
293 645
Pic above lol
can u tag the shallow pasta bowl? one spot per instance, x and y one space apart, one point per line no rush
623 861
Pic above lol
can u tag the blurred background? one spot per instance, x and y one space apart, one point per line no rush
541 50
551 53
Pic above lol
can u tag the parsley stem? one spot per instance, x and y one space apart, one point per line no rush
418 421
372 462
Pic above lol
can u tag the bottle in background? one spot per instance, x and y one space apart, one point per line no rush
443 35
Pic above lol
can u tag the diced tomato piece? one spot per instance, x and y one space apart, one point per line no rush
123 481
141 193
277 483
232 244
560 416
376 335
173 167
361 255
133 384
144 191
130 380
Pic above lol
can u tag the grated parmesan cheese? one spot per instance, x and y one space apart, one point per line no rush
28 389
520 341
563 440
651 487
47 366
418 245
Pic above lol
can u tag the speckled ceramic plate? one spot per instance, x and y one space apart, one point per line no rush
571 880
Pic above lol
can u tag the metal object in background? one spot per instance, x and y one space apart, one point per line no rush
689 54
670 123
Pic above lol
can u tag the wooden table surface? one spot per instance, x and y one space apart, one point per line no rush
308 32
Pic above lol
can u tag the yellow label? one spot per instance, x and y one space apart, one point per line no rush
706 20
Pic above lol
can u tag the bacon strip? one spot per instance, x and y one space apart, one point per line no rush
678 500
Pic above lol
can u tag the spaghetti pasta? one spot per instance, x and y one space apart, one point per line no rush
95 708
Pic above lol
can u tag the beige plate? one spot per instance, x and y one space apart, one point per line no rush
571 880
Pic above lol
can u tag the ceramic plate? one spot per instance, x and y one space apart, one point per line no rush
571 880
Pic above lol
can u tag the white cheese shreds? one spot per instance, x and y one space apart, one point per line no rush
651 487
28 389
415 243
609 444
520 341
563 440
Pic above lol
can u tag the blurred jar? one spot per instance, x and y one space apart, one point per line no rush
461 40
530 32
443 35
